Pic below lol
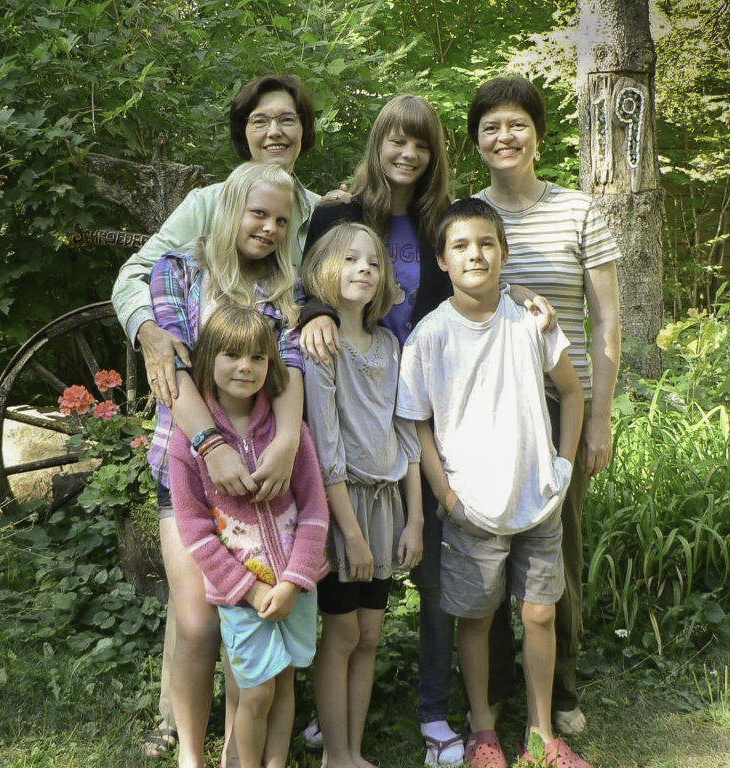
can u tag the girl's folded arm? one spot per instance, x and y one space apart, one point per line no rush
274 470
227 469
198 531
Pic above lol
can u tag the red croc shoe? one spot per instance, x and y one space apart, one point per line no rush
557 755
483 750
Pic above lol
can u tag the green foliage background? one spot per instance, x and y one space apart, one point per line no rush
150 79
136 78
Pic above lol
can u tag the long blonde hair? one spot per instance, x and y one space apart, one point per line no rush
415 117
323 271
274 275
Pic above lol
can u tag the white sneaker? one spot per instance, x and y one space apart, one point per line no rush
570 723
312 735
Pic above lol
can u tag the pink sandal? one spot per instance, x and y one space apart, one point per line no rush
557 755
483 750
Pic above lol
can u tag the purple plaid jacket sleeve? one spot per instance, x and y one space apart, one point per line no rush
288 337
175 285
175 288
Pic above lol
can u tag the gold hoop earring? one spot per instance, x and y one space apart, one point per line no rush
537 156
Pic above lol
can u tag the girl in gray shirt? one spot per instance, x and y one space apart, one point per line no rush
365 452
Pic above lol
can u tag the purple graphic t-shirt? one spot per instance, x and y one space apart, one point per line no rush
406 259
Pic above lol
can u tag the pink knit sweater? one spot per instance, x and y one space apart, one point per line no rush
283 538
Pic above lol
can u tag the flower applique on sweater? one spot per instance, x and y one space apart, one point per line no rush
244 540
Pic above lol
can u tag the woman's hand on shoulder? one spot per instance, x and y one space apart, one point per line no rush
228 471
159 348
340 195
320 339
536 305
273 473
542 309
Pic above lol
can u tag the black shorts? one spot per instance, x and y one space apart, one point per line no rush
335 596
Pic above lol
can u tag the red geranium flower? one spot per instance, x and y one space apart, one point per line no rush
75 399
140 442
106 410
106 380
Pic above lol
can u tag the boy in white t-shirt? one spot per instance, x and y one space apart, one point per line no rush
476 366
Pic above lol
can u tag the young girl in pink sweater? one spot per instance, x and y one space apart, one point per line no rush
260 560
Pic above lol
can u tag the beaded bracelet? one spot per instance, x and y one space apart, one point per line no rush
212 442
202 436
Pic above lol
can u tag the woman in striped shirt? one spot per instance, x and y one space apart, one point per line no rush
560 247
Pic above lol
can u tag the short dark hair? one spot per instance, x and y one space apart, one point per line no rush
248 97
469 208
512 89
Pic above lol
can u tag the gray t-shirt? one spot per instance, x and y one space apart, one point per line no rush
359 440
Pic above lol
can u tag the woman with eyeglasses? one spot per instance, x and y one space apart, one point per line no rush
271 119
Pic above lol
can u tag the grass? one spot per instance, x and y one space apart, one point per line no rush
656 526
79 650
54 714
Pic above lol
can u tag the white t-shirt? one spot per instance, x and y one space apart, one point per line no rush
483 384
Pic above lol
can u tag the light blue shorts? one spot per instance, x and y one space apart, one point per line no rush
259 650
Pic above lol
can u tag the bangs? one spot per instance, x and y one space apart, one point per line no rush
244 339
415 122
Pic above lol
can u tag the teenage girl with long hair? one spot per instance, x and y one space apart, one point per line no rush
246 260
401 188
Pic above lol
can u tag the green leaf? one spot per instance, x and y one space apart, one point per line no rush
536 746
337 66
714 613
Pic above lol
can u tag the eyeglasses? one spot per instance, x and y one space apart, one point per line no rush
260 122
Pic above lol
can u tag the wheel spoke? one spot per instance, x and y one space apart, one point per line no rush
53 461
55 425
131 375
88 356
46 375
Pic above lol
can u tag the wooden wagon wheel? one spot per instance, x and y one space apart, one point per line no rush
69 350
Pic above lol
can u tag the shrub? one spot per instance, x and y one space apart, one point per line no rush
122 484
62 585
656 524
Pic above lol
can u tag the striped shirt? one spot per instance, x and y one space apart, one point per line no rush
550 246
176 287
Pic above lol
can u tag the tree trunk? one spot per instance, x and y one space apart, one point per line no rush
619 161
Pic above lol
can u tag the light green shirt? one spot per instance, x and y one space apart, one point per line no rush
192 219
